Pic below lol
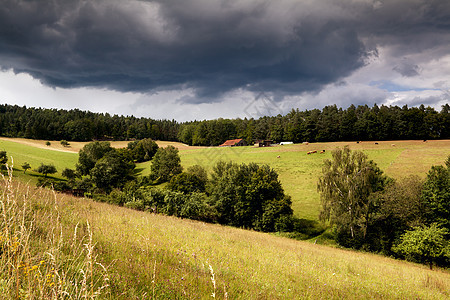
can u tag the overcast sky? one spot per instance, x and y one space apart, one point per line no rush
205 59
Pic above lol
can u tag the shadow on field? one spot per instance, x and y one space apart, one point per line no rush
305 229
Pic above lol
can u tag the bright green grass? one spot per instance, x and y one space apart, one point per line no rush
298 172
21 153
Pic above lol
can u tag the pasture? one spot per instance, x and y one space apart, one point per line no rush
298 171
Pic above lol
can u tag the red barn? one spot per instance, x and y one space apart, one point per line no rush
234 143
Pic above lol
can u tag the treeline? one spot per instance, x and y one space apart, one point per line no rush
77 125
326 125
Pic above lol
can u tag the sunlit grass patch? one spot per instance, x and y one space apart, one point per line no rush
38 259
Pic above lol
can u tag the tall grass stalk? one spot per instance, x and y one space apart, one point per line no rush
39 257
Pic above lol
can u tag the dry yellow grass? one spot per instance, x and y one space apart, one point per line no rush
246 264
40 256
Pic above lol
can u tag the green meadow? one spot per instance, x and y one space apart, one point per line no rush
298 171
19 153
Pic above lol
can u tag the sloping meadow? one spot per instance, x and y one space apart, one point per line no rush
154 256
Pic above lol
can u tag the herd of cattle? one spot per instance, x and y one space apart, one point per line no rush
315 151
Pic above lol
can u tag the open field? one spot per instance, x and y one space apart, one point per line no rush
152 256
297 171
25 151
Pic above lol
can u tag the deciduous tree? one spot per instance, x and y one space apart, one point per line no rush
347 186
112 170
166 164
436 194
25 167
90 154
46 169
424 244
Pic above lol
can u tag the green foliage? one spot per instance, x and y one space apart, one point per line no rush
112 170
26 166
90 154
329 124
347 190
400 207
143 150
166 164
186 183
46 169
424 244
436 194
3 158
248 196
198 171
51 183
70 174
197 206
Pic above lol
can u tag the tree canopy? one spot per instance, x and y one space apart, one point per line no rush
166 164
249 196
112 170
436 194
143 150
46 169
90 154
424 244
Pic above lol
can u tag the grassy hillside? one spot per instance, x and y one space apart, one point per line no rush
21 152
297 171
151 256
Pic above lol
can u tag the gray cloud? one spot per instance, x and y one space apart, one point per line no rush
212 47
407 68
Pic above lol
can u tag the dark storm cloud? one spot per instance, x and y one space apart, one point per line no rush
213 46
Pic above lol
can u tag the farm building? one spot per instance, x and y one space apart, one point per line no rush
264 143
234 143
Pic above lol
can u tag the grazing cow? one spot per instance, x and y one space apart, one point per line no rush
278 156
315 151
357 142
309 152
376 143
322 152
393 145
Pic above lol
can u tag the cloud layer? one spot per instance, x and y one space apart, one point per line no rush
216 47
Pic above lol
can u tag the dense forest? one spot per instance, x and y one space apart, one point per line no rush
326 125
